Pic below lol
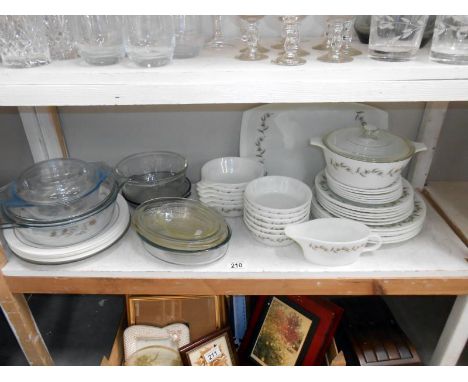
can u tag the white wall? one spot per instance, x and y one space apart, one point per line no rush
200 133
15 155
451 157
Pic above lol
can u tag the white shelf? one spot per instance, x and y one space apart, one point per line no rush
435 253
216 77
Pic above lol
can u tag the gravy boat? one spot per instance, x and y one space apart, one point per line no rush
333 241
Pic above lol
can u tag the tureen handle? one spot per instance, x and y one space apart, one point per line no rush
419 146
316 141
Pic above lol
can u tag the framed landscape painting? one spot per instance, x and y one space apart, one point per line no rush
287 331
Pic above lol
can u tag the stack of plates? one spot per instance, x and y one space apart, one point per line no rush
223 181
42 254
374 214
273 202
395 232
366 196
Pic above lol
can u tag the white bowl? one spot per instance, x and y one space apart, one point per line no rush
223 188
265 220
230 203
274 215
278 194
270 240
270 228
363 175
254 227
232 170
220 194
229 212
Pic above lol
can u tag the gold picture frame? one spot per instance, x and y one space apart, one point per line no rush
203 314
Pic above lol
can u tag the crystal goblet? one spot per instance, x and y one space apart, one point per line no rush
252 52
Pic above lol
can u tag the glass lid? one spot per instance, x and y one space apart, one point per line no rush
24 214
57 181
180 223
369 144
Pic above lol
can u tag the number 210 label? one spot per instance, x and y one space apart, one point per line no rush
237 265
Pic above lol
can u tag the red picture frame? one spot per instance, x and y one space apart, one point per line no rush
289 330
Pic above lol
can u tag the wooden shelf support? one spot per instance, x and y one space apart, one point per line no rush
18 314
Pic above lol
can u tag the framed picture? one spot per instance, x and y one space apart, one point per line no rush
216 349
202 314
287 331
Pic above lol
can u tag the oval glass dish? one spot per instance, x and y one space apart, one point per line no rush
182 231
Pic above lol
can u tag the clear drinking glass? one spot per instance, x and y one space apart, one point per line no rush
218 41
23 41
189 36
396 38
450 40
61 37
149 40
100 39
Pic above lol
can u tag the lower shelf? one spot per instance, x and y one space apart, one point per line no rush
434 262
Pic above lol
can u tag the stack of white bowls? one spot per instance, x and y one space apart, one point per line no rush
223 181
273 202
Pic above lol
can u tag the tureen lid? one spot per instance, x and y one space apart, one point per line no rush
369 144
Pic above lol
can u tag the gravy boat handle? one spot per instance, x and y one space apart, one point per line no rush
373 242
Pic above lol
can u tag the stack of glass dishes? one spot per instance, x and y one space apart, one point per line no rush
59 203
152 175
182 231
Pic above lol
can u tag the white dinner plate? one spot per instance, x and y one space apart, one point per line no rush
278 135
390 233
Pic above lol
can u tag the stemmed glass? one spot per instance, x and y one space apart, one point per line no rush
325 44
336 53
348 38
252 52
290 55
218 41
243 28
284 25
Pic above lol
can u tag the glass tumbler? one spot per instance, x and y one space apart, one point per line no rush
61 36
450 40
149 40
396 38
23 41
189 36
100 39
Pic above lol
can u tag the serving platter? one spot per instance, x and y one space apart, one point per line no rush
278 135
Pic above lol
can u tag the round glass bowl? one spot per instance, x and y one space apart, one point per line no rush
57 181
152 175
182 231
